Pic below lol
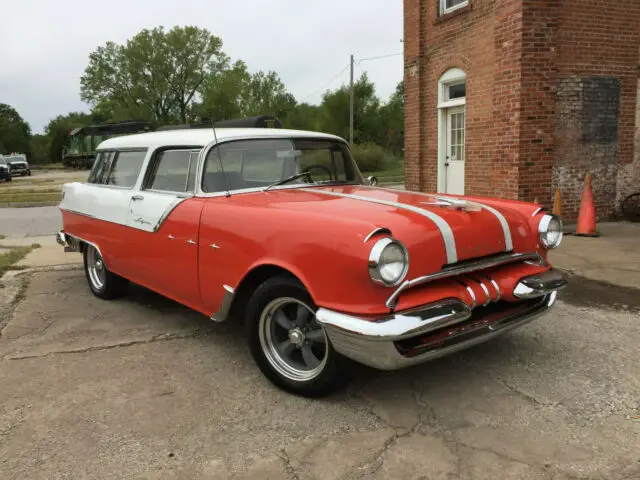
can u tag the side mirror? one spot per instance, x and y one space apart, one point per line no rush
372 180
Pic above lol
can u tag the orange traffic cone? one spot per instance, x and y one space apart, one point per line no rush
587 216
557 204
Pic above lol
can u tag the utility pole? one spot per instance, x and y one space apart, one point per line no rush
351 105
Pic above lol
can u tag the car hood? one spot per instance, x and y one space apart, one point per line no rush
438 230
18 162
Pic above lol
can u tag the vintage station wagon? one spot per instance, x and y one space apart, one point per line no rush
278 228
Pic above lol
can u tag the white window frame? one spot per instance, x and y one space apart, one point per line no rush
453 76
444 10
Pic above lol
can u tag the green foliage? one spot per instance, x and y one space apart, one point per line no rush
155 75
39 149
183 75
15 132
371 157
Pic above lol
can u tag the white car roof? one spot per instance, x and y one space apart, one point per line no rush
204 136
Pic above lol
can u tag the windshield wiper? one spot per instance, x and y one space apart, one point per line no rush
286 180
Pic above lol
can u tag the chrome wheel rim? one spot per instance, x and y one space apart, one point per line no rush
95 267
293 342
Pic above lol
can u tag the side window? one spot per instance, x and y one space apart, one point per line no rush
100 167
173 171
125 168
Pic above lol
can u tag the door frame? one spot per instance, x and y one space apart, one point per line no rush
450 77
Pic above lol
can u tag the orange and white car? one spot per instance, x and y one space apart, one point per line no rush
278 229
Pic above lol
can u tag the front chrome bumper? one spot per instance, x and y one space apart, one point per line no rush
439 329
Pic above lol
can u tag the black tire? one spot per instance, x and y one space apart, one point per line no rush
331 375
109 285
631 207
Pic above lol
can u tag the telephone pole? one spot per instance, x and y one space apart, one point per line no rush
351 105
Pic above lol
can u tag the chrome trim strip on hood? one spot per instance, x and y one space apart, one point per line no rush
506 230
443 226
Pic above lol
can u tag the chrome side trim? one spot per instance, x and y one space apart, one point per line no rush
401 325
540 285
465 268
172 206
223 312
443 226
376 231
538 210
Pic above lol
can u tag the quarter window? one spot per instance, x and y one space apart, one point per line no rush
125 169
447 6
173 171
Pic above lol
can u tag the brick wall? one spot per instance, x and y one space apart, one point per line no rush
552 92
598 60
628 178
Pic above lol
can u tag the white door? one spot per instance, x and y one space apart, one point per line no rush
455 152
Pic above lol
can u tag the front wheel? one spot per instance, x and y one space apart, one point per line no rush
289 346
103 283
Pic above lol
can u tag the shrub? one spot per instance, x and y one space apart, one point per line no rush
371 157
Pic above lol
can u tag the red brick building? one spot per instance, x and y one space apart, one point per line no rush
515 98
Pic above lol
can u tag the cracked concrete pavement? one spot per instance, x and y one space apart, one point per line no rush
144 388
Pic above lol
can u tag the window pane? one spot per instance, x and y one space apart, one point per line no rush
457 91
98 166
125 168
453 3
193 167
258 163
170 171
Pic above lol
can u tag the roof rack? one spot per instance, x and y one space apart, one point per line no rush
262 121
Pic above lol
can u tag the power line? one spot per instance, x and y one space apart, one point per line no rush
380 56
326 84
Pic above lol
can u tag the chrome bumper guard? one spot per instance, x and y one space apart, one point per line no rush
450 323
69 243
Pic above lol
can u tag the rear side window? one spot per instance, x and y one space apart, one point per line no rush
173 170
125 168
120 169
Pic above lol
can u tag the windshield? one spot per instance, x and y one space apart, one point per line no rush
3 161
259 163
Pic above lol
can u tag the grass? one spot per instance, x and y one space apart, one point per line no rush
13 256
394 171
30 197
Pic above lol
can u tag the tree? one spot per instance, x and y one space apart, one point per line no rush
39 149
335 111
15 132
266 94
222 93
391 116
154 76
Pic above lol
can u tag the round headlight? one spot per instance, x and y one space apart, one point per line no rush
551 231
388 262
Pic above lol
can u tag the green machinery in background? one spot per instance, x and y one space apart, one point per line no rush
80 150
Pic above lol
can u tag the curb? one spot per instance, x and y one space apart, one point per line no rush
29 204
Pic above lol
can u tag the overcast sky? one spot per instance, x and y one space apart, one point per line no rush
45 44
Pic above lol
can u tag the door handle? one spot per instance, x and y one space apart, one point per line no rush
137 197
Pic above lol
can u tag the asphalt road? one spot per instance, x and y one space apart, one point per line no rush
32 221
143 388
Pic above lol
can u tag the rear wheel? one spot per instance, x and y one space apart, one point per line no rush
631 207
289 346
103 283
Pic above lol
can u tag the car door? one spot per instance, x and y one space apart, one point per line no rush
167 216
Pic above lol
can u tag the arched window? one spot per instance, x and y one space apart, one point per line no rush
452 88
